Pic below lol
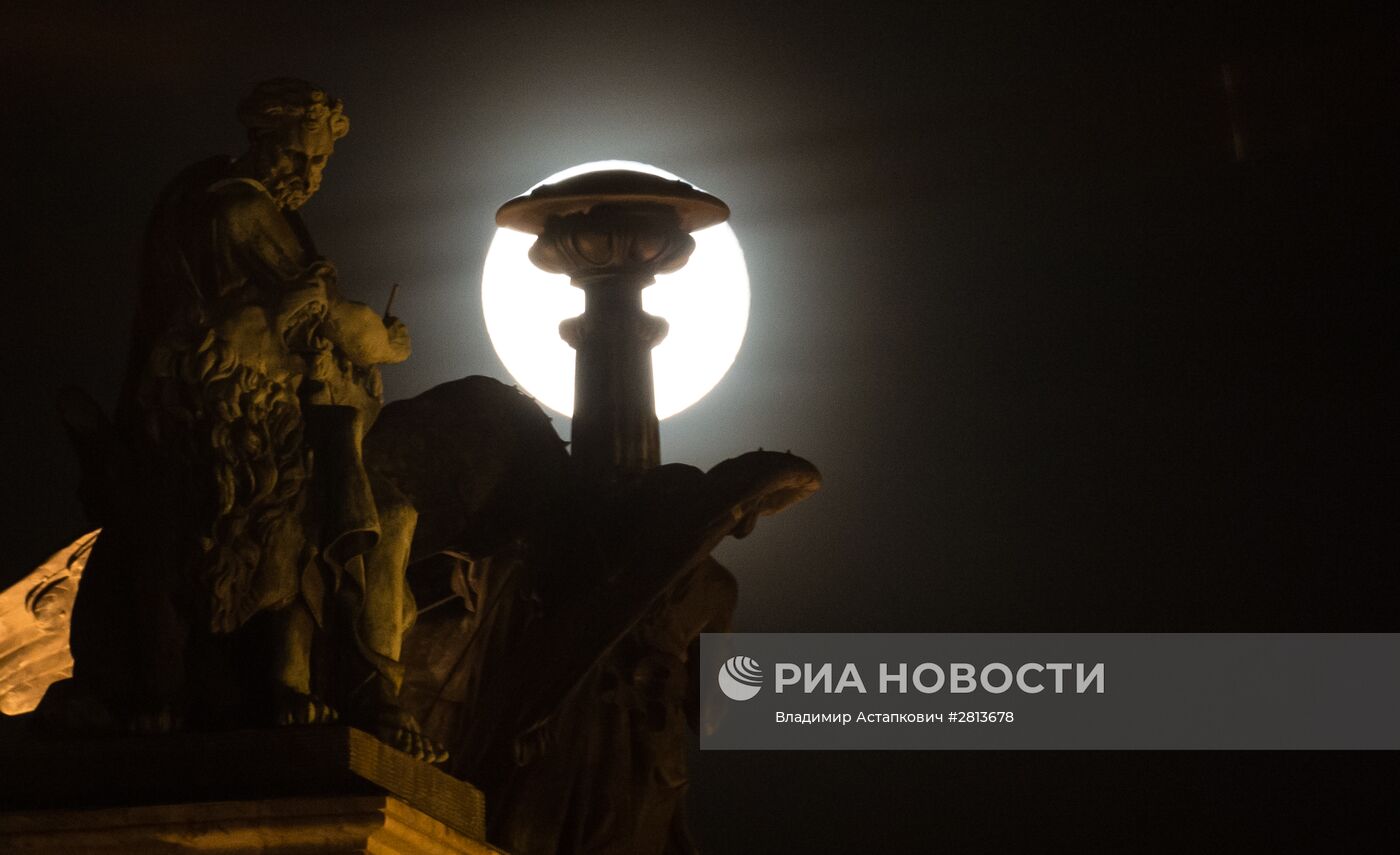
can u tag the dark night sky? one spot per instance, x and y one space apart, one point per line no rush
1068 358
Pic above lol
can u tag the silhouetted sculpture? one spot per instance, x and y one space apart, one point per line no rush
234 582
565 681
260 510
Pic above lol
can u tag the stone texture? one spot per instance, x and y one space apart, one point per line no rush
307 783
306 825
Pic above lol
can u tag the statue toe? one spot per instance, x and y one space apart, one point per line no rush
400 730
295 707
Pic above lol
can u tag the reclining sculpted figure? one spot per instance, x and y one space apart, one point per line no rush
558 658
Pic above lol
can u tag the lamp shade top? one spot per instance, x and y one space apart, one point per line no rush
580 194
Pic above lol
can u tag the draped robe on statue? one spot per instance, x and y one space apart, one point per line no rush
235 483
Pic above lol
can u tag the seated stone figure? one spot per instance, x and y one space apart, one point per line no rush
229 585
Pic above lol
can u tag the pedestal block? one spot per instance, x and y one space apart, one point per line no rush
345 824
303 790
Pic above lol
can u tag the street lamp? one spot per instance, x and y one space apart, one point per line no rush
706 303
612 232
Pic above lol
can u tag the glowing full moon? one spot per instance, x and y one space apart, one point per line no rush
706 303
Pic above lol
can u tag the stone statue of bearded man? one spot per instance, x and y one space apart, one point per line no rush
229 586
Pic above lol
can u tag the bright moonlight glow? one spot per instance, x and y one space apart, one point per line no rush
706 303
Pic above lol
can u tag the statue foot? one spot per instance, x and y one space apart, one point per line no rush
293 707
374 708
398 729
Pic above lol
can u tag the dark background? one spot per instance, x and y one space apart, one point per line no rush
1087 317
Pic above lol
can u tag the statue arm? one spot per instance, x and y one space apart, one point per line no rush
255 244
720 594
365 337
263 245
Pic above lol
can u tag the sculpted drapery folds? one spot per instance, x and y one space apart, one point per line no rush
237 330
236 509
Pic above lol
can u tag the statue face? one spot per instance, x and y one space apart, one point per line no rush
289 162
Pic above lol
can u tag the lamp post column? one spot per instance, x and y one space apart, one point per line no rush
612 233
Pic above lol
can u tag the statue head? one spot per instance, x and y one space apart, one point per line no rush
292 128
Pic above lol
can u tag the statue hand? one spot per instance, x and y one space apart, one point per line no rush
400 344
307 302
323 271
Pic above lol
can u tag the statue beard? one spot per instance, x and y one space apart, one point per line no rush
288 192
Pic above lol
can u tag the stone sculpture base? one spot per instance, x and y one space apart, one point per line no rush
304 790
345 824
